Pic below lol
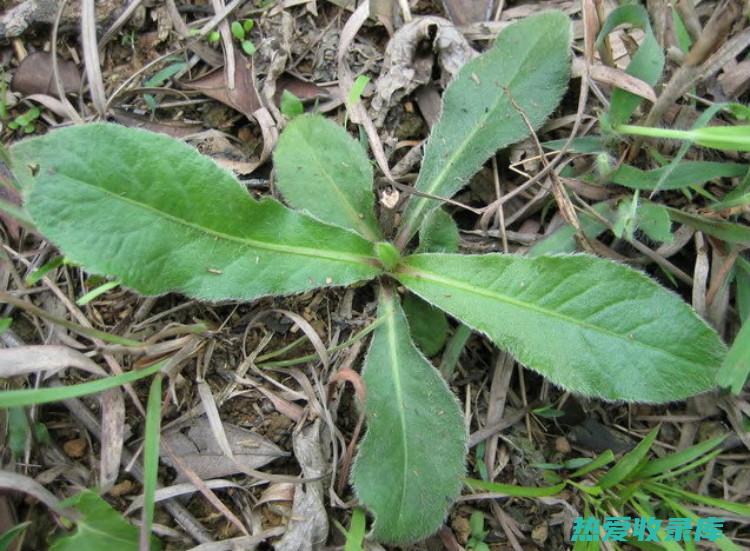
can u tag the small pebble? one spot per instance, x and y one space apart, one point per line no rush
75 448
123 488
562 445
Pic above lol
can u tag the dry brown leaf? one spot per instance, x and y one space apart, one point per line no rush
278 491
308 526
113 437
199 450
176 129
464 12
176 490
34 75
244 97
23 360
304 90
228 155
615 77
357 112
735 79
410 57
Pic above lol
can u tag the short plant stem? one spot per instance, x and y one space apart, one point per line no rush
652 132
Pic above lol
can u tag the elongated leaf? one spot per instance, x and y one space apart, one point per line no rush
563 239
740 509
587 324
31 396
629 462
728 231
529 65
605 458
743 288
515 491
677 459
439 233
11 534
582 144
646 64
411 460
160 217
686 173
355 536
654 220
429 325
100 527
324 171
735 370
151 439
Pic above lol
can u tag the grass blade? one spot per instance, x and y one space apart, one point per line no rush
513 490
736 366
355 536
629 462
150 460
674 460
28 397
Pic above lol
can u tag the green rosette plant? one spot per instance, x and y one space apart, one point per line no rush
158 216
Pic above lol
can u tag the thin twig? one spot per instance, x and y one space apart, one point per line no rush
91 56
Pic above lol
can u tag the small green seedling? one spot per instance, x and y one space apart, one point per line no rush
291 106
239 31
26 121
478 533
153 213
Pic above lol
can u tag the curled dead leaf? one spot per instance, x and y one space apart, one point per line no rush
411 55
198 449
243 97
35 75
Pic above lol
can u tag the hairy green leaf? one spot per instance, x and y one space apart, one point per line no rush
429 326
324 171
100 527
742 275
654 221
160 217
563 239
684 174
581 144
718 227
411 460
736 368
524 74
589 325
646 64
438 233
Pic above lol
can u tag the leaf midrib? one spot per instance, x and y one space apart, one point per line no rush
364 228
250 243
396 376
450 282
458 153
